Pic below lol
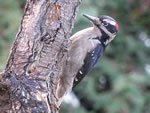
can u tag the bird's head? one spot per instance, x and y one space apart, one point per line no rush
107 26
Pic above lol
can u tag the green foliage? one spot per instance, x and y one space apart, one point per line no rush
119 82
10 16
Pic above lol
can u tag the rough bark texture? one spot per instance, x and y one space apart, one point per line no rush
29 81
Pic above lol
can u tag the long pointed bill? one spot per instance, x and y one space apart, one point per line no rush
91 18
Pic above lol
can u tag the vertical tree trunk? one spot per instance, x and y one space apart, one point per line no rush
30 78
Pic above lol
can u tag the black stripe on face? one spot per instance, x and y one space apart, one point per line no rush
104 36
111 28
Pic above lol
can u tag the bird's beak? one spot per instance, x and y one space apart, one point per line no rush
91 18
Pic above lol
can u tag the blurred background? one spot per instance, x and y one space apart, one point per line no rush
120 82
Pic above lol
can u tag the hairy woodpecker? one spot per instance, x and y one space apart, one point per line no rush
86 49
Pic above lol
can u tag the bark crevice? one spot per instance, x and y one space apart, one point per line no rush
30 79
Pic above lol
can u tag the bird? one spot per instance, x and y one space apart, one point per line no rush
86 49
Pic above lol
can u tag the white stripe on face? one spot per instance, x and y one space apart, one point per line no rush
110 21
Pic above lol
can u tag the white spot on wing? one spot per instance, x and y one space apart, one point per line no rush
76 79
92 53
80 72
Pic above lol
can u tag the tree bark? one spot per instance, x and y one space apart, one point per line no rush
29 81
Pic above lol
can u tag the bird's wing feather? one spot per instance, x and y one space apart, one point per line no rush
91 59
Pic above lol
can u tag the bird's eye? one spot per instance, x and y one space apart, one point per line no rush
105 23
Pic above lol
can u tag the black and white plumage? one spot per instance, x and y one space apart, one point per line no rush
90 60
86 49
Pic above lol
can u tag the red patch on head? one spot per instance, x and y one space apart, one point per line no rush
117 27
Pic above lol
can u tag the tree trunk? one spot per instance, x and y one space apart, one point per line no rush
28 83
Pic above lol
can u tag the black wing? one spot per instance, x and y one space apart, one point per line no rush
89 62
